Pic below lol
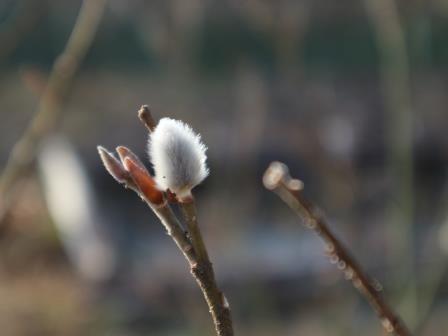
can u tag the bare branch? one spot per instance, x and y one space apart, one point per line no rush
277 179
219 307
189 212
197 258
48 112
400 122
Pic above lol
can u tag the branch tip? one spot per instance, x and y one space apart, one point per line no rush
278 180
278 173
112 165
101 149
275 174
144 114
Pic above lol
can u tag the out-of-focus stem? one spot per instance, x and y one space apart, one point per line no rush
395 76
278 180
433 280
48 112
12 32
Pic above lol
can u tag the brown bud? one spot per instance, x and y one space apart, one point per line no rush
113 166
146 118
124 152
144 181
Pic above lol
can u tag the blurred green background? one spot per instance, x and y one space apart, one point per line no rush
352 95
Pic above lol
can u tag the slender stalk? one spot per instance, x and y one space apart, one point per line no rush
174 230
434 279
219 307
190 214
201 268
26 17
395 75
216 301
57 88
278 180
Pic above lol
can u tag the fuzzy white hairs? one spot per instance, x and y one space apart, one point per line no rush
178 156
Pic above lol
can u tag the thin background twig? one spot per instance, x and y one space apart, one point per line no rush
395 78
50 105
277 179
24 19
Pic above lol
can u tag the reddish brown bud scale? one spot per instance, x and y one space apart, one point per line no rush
124 152
144 181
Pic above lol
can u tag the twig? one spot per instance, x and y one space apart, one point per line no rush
219 307
434 279
132 174
189 211
200 265
277 179
48 112
146 118
216 301
12 32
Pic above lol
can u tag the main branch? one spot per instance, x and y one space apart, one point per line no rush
131 173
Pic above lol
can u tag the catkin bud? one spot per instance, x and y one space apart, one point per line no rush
178 156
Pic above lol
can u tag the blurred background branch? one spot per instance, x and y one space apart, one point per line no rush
290 190
51 102
27 15
396 85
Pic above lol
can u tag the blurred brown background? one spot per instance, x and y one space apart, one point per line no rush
352 95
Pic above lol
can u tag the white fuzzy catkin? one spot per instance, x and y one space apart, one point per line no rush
178 156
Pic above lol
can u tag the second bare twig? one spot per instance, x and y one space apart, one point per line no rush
277 179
